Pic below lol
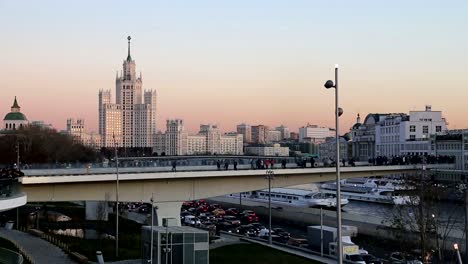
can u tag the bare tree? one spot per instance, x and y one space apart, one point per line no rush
422 222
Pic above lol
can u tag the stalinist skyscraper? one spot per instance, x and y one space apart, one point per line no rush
131 120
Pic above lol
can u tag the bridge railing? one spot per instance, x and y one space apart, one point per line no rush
9 187
10 257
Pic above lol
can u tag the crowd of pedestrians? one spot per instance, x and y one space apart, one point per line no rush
412 159
304 162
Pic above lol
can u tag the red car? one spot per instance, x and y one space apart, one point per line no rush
201 202
203 209
232 211
247 219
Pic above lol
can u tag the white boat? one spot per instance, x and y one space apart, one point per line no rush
368 190
296 197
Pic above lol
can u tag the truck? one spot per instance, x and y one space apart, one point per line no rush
330 239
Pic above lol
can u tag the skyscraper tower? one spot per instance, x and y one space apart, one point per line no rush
131 120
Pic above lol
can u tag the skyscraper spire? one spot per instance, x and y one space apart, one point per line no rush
129 58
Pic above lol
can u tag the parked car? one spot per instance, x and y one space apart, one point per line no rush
400 258
202 209
214 206
218 212
246 230
298 242
207 217
232 211
192 220
144 209
188 204
354 258
281 232
201 202
248 212
247 219
232 220
371 259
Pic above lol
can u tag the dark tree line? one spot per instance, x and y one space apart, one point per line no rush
42 145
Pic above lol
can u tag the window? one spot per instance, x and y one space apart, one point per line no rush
412 137
438 128
425 129
412 129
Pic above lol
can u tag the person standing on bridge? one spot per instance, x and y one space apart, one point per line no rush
283 163
235 164
218 164
174 165
312 162
226 164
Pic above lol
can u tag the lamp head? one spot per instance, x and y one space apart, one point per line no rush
455 246
329 84
340 111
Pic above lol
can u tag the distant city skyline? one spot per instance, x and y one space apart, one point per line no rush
255 62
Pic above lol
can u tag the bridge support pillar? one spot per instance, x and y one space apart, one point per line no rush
168 210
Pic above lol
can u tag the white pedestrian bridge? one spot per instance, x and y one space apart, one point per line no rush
170 189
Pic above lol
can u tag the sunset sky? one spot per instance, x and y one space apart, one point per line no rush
228 62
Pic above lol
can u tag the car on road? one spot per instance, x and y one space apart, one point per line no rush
298 242
232 220
354 258
192 220
246 230
218 212
247 219
371 259
401 258
281 232
144 209
232 211
202 209
214 206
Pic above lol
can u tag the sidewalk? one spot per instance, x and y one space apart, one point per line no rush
39 250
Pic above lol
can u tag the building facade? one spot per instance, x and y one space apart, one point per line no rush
452 143
327 150
246 131
285 133
76 129
208 141
260 134
402 134
131 120
267 150
363 137
315 134
274 136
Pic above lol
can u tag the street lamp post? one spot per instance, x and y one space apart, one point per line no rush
455 246
439 256
116 200
269 176
338 112
152 224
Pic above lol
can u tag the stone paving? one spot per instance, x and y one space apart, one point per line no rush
40 251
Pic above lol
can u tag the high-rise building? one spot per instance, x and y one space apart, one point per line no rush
131 120
246 131
274 136
285 133
260 134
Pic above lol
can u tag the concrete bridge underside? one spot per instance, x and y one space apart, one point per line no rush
172 188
